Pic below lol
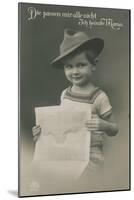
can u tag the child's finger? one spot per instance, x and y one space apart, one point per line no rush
36 131
89 124
94 126
35 138
35 127
92 121
95 121
92 129
94 116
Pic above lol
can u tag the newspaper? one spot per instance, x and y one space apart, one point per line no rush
63 147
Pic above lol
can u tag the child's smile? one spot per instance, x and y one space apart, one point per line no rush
78 69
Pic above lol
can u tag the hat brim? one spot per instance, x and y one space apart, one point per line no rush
95 45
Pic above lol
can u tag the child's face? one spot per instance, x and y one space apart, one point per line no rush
78 69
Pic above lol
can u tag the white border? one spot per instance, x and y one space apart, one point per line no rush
9 96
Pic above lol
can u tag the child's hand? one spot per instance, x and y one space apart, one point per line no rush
36 130
95 124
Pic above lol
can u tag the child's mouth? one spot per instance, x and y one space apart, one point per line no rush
76 77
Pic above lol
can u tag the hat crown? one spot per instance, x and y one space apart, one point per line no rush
77 40
71 39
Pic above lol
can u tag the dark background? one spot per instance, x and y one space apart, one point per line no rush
41 85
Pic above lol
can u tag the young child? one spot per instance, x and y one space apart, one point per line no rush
79 57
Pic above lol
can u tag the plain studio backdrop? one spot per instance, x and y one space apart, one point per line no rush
41 85
114 85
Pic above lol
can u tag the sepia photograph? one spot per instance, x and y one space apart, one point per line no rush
74 99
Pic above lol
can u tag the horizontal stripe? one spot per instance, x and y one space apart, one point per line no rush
104 115
81 97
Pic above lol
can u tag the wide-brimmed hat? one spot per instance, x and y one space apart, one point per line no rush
77 40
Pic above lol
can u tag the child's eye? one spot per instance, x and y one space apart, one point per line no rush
67 66
81 65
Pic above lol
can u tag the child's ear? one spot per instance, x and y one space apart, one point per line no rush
93 68
95 61
94 64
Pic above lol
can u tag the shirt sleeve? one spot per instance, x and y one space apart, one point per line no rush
103 105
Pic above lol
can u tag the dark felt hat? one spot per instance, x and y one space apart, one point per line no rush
76 40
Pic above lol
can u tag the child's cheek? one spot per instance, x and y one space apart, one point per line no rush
67 75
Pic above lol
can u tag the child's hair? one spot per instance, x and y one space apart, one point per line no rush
88 54
89 57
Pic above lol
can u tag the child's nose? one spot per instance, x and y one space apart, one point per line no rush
75 70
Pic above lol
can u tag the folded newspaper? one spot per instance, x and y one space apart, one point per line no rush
63 148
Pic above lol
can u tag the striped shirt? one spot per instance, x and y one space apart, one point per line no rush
100 105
